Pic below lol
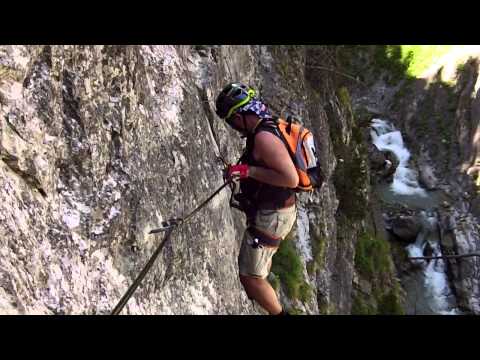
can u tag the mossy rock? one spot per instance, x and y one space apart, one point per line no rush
351 173
305 292
373 261
390 304
326 309
372 256
350 180
295 311
364 117
318 250
361 307
344 98
311 267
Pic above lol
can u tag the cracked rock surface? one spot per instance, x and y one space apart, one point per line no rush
100 144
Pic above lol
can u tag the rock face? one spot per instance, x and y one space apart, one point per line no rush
100 144
426 176
459 235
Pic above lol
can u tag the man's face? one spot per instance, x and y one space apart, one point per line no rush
237 122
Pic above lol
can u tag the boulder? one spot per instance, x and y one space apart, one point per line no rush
428 250
391 164
377 158
406 228
383 162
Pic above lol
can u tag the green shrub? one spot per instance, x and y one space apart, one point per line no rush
311 267
286 264
305 292
389 59
360 307
344 97
373 263
372 256
389 304
318 250
274 281
350 180
295 311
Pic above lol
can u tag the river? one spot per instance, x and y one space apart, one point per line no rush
427 286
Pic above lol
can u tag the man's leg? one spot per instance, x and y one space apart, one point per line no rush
261 291
255 262
254 266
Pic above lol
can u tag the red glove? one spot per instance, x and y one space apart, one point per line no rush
237 171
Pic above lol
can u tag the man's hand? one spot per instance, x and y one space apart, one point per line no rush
237 171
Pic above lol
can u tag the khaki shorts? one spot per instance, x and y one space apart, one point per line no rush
258 261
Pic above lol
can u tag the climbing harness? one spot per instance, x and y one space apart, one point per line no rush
167 226
262 238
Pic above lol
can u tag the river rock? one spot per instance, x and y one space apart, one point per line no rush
391 164
428 250
406 228
383 162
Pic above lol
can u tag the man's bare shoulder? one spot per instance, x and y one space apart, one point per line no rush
266 138
268 145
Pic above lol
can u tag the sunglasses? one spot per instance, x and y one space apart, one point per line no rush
230 122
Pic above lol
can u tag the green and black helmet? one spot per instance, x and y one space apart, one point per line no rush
233 96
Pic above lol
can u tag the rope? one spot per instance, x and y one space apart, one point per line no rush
140 277
444 257
189 216
171 225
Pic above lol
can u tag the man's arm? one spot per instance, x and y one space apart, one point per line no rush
279 170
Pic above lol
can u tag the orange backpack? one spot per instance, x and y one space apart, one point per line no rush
301 146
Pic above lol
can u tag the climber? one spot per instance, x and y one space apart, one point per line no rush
267 179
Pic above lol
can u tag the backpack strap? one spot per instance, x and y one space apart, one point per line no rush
289 126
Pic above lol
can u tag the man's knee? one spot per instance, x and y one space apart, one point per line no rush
245 279
249 282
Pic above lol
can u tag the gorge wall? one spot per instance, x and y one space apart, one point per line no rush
100 144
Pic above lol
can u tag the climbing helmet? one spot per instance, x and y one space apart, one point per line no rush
232 97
